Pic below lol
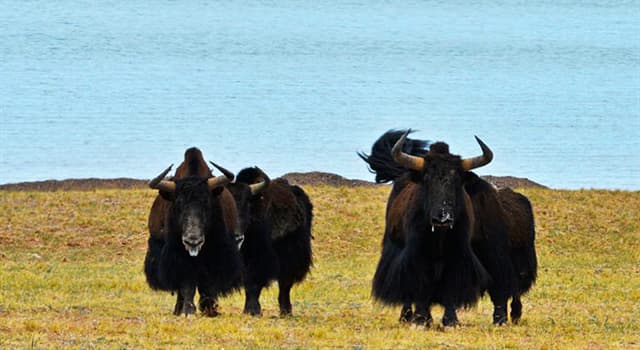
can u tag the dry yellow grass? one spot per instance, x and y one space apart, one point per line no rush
71 277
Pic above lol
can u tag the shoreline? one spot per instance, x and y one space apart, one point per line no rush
307 178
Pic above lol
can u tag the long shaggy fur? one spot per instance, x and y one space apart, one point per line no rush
380 161
434 267
518 210
151 262
294 249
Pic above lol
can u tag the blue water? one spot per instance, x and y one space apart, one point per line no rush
120 89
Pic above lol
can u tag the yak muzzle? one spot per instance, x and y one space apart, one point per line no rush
193 246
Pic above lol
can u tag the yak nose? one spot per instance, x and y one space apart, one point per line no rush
445 216
442 218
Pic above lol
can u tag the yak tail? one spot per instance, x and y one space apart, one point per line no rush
380 161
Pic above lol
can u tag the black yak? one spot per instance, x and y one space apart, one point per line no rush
438 208
426 254
276 223
191 243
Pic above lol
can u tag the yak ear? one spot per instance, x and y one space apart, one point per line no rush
471 182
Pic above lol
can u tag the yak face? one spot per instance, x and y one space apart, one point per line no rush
191 209
246 190
192 205
442 183
441 174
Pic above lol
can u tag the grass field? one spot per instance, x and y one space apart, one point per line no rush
71 277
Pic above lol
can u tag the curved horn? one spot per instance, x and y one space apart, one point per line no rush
158 182
262 185
224 171
476 162
217 181
406 160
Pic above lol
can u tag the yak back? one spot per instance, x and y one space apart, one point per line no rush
380 160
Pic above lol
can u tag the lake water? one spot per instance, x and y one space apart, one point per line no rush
120 89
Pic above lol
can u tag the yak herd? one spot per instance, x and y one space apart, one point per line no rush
449 238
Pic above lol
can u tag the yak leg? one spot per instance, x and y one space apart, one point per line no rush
516 309
406 314
208 302
422 316
284 296
450 318
179 304
252 300
499 310
188 291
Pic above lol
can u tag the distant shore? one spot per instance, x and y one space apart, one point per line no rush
308 178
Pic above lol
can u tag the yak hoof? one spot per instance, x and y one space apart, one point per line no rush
406 315
209 307
450 321
422 320
285 309
253 311
189 309
210 310
285 312
500 319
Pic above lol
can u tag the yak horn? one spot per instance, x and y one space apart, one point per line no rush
224 171
262 185
476 162
217 181
158 182
406 160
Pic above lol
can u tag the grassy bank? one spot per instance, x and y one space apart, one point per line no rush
71 276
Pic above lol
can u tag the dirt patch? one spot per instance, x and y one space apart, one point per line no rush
320 178
302 179
75 185
512 182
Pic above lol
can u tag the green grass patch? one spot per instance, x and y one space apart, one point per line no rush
71 277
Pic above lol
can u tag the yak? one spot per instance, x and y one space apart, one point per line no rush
450 235
277 235
426 254
191 243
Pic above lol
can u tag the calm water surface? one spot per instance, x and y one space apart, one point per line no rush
121 89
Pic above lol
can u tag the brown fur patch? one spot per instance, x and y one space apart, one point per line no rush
396 212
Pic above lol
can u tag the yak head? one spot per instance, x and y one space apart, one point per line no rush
191 197
247 188
441 175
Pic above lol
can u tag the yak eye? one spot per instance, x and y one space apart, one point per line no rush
452 172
